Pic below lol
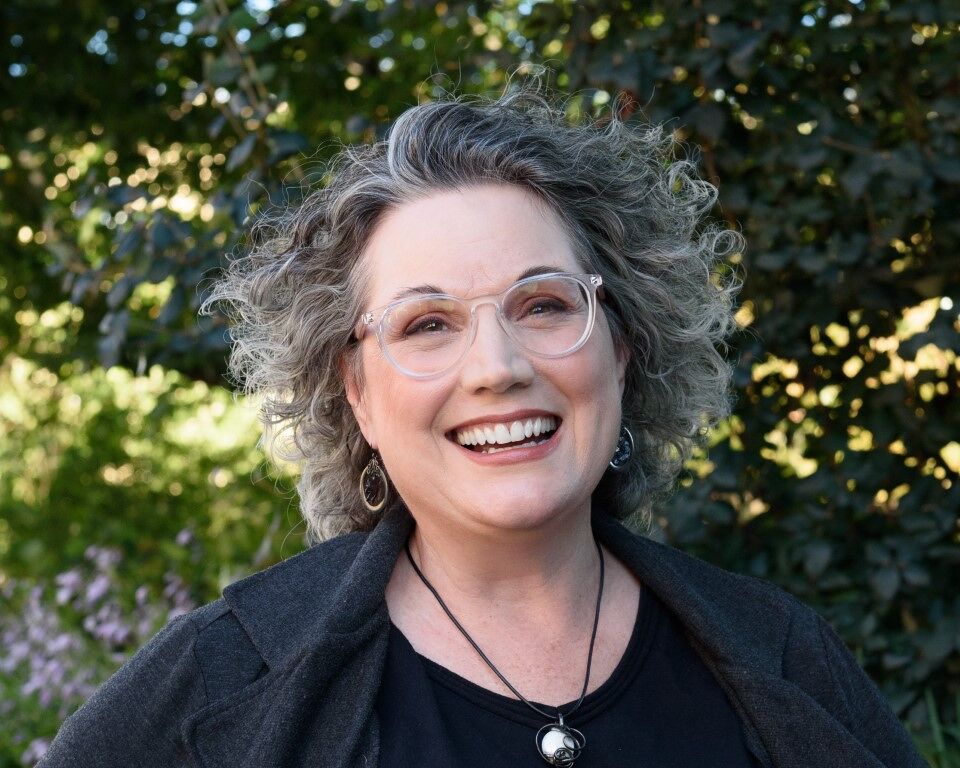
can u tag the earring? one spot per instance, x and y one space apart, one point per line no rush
373 485
623 452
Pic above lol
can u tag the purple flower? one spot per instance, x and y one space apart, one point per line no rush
35 750
57 664
61 643
68 585
103 558
184 538
97 589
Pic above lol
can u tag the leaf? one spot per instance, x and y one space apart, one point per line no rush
240 153
896 660
121 290
221 71
905 164
173 307
876 553
130 240
811 157
266 72
82 206
724 35
772 261
885 583
858 175
357 123
259 41
916 575
216 125
124 194
241 19
709 120
114 328
740 61
816 558
947 168
162 235
82 286
283 144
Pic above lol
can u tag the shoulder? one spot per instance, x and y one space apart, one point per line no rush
765 643
140 704
197 659
744 617
749 622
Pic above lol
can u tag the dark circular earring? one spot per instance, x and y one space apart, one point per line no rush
623 452
373 485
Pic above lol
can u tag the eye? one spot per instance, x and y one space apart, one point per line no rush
540 306
426 325
543 305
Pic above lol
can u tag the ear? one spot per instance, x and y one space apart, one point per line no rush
349 365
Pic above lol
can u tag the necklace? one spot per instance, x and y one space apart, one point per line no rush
557 742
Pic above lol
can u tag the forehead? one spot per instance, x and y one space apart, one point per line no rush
470 241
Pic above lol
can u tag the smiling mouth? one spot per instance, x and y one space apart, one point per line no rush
504 436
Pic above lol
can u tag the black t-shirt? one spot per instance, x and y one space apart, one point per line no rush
661 708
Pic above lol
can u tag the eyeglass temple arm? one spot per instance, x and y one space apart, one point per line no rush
360 329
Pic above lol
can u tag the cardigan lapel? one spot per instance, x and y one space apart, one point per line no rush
321 624
740 627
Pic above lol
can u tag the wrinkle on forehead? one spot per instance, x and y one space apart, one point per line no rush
487 248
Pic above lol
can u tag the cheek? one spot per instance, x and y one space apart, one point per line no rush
404 409
597 389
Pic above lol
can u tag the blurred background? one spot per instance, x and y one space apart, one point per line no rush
138 138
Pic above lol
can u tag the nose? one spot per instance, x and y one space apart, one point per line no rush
493 361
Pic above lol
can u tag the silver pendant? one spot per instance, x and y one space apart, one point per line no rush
559 744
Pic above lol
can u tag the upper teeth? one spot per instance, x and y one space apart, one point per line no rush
505 432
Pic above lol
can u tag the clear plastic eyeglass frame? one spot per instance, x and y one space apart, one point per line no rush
592 285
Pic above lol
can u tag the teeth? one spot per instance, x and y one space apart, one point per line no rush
491 449
503 433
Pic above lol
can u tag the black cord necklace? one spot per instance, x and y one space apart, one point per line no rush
557 742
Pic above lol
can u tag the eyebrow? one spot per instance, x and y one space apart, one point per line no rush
416 290
420 290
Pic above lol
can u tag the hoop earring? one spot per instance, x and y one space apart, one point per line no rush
373 486
623 452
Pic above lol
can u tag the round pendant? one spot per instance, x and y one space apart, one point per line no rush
560 744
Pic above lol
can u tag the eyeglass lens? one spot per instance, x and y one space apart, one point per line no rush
547 316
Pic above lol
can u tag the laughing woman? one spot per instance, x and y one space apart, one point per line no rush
490 337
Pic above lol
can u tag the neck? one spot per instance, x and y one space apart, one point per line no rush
549 573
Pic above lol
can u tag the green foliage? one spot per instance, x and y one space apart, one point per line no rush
109 458
138 137
941 745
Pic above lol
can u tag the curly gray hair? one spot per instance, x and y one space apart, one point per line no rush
635 213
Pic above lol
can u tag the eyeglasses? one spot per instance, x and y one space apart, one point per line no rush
547 315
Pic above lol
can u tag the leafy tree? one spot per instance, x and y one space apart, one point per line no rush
140 137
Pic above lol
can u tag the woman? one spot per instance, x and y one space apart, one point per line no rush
490 337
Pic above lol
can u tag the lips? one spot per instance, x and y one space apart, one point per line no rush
500 435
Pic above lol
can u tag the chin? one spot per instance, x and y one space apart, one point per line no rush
521 512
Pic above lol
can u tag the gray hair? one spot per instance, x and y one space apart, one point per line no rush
635 213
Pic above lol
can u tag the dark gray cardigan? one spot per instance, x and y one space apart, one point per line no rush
283 671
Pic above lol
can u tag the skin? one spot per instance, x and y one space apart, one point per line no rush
508 544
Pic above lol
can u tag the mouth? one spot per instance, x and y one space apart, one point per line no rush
497 436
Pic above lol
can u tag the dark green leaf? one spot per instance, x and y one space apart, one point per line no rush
240 153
